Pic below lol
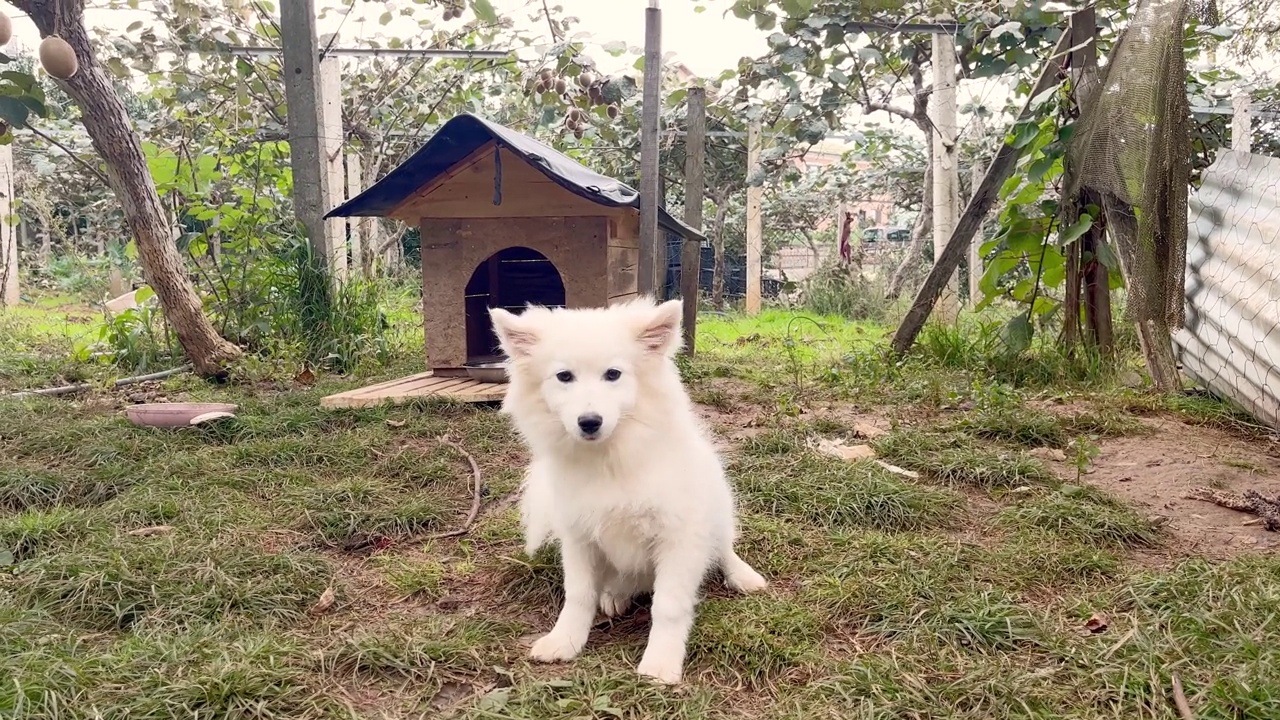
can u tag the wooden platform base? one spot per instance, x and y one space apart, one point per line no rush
417 386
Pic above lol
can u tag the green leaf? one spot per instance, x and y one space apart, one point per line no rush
1017 333
699 9
385 18
614 48
24 81
6 557
1077 229
1043 166
1023 134
143 294
484 10
14 111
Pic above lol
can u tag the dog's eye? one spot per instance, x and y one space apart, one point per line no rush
564 376
612 374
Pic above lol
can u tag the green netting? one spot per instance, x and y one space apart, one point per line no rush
1132 147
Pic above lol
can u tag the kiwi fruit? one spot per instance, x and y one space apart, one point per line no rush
561 86
540 87
612 111
6 29
58 58
577 133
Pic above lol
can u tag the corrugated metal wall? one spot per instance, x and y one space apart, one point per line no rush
1231 342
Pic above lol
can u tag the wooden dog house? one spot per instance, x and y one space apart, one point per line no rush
505 221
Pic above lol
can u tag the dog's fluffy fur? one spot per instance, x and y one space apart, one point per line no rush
623 474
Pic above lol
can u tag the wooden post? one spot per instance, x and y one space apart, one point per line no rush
946 170
361 253
1241 122
331 147
650 280
695 151
301 51
975 246
9 289
984 197
755 223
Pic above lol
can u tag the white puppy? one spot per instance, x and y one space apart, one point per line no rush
623 473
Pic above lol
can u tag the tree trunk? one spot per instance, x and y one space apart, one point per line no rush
921 232
110 129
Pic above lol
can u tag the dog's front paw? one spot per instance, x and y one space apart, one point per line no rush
747 581
662 670
554 647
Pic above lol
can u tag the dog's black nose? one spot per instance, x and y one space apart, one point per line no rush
590 423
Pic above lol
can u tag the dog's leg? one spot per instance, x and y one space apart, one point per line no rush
738 574
675 596
581 592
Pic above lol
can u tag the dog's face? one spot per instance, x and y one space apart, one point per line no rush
588 366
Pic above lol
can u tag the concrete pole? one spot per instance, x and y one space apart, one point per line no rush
302 92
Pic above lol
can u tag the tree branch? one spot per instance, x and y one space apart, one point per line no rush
92 170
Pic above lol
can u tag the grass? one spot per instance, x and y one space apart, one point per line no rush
281 565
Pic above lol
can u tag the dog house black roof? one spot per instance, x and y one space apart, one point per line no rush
465 134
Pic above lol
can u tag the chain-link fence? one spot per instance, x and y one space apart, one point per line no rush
1231 339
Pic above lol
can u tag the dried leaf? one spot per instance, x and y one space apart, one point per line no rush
325 602
149 531
397 423
306 377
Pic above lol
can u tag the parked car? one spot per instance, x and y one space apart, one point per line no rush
886 233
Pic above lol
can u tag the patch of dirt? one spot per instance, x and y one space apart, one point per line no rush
1157 471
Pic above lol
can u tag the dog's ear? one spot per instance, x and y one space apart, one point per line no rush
514 334
661 330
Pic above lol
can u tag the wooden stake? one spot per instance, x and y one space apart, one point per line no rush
651 274
984 197
1241 123
331 146
946 169
755 223
9 289
361 253
694 184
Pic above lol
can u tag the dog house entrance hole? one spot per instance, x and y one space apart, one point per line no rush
509 279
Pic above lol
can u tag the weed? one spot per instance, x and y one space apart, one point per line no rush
832 493
955 458
1082 514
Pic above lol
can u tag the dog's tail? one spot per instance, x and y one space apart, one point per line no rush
535 513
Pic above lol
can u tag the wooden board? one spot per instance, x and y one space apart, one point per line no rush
422 385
